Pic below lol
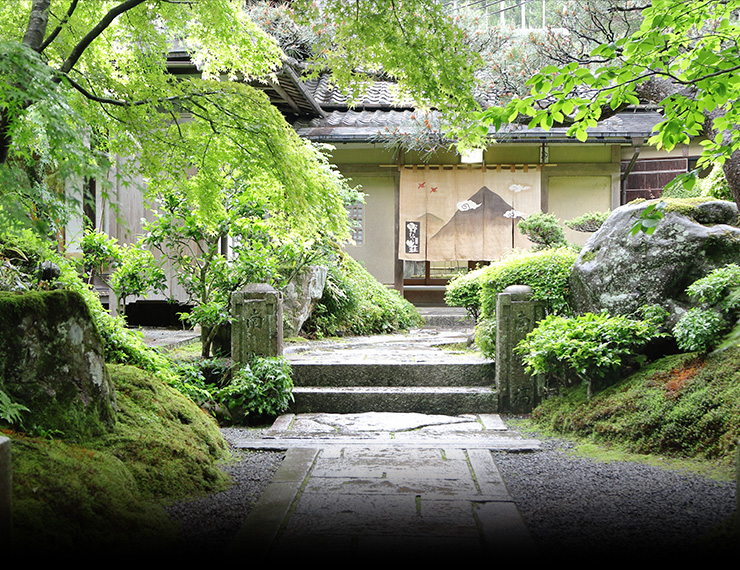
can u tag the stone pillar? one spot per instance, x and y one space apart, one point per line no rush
6 489
516 315
256 323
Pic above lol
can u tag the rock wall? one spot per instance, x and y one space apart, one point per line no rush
52 362
620 272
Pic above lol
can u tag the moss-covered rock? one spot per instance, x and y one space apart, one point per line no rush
621 272
108 494
52 362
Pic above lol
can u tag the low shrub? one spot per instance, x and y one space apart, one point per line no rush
464 291
589 348
251 394
699 329
702 327
262 389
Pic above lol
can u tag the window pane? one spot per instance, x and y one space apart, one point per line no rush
356 216
414 269
447 269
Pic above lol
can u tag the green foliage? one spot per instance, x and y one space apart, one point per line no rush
699 329
261 390
543 230
464 291
485 336
264 388
587 348
26 250
649 218
356 303
702 327
10 412
198 135
358 39
108 493
101 252
129 270
138 274
681 405
694 47
715 288
546 272
588 222
715 185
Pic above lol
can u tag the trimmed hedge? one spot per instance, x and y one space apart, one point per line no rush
545 271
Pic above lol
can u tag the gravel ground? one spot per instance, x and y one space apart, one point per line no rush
570 504
574 505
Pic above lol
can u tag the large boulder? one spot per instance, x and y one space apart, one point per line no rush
301 295
52 362
620 272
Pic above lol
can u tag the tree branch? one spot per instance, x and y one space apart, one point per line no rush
98 29
58 29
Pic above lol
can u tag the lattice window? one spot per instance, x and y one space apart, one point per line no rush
357 218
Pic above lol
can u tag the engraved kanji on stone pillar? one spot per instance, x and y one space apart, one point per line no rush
517 313
256 323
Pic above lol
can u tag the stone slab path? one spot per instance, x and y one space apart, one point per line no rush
382 486
417 346
376 486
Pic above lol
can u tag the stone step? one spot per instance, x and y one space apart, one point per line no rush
426 371
449 400
399 374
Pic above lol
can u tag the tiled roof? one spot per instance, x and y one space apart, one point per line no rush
377 95
379 113
372 125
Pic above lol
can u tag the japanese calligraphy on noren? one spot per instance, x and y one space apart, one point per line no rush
413 233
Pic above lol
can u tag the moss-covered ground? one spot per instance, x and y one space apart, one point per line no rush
684 409
109 493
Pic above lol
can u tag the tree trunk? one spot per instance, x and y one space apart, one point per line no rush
732 174
37 23
33 38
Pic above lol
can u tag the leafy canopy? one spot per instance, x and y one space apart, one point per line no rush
691 46
85 82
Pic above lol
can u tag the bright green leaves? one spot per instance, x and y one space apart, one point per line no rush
413 42
585 348
692 46
649 219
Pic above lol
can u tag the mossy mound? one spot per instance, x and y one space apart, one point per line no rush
355 303
685 405
107 493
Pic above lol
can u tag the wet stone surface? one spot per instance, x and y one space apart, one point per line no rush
416 346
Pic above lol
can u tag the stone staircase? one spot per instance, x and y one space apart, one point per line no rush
426 371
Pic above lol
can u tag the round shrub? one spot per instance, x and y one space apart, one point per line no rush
699 329
546 272
543 230
464 291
